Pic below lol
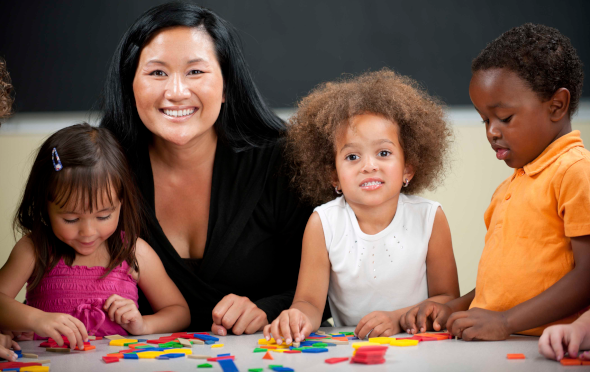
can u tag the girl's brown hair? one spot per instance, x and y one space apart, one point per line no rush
93 165
5 91
424 132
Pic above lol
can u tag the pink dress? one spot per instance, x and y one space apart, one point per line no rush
81 292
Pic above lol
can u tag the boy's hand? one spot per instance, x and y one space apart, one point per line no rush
378 324
6 343
292 325
124 312
554 338
56 324
420 318
479 325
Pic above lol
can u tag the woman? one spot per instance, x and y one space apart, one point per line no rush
207 157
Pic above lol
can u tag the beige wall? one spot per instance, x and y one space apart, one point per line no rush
474 175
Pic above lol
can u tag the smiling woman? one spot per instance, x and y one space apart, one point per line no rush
207 157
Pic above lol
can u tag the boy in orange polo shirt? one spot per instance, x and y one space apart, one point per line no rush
535 267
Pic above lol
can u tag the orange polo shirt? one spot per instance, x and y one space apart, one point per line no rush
532 216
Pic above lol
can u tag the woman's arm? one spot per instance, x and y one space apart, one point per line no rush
305 313
171 312
443 285
20 317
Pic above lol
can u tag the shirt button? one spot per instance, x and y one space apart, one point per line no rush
508 196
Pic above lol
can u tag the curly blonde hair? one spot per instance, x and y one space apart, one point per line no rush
424 132
5 91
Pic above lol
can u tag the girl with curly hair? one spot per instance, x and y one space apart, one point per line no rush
376 251
5 91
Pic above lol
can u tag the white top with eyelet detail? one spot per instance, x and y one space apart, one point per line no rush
385 271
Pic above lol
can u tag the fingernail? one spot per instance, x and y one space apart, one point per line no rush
288 341
408 330
267 338
219 332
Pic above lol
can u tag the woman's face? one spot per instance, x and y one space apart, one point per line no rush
178 86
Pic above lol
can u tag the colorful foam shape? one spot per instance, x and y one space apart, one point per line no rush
357 345
205 365
403 343
515 356
268 356
174 355
283 369
121 342
335 360
35 369
570 362
130 356
108 359
381 340
315 350
228 365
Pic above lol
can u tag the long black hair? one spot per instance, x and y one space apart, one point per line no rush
92 164
245 121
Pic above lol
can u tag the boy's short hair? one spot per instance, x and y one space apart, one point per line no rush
541 56
424 132
5 91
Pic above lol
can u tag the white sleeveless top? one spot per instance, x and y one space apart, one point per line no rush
385 271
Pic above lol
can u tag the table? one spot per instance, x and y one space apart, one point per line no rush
447 355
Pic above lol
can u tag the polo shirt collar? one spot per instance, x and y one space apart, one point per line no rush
558 147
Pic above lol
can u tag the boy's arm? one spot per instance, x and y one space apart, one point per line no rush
565 297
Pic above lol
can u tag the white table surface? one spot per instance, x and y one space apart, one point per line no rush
448 355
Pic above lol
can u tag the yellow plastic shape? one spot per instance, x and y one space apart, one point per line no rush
356 345
150 354
381 340
404 342
35 368
215 346
121 342
184 351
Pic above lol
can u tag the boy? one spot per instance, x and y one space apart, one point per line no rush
535 267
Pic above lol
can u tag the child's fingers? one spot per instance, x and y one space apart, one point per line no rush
573 346
556 342
545 345
266 332
81 328
7 354
424 313
295 321
15 345
115 305
122 311
367 328
585 355
410 320
284 329
78 336
454 317
305 331
382 330
274 329
110 300
361 324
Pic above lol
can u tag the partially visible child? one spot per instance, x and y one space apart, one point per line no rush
571 338
364 146
6 341
80 254
535 267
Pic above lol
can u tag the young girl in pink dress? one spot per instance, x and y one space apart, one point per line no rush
80 254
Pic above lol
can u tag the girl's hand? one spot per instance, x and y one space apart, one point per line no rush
6 343
378 324
292 325
124 312
56 324
554 338
419 318
238 314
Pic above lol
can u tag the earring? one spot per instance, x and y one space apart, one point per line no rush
406 182
339 192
